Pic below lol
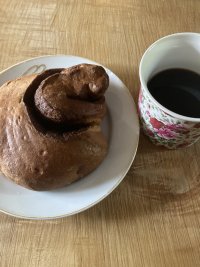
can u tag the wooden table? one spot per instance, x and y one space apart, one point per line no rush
153 217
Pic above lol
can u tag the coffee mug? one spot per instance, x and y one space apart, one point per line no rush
162 125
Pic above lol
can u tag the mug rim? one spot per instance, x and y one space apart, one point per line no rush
143 84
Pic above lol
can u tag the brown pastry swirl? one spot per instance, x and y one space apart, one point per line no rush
50 132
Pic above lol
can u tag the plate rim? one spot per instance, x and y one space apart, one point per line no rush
128 164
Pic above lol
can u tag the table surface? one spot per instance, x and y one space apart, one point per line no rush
153 217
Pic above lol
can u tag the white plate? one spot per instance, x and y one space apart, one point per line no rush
121 126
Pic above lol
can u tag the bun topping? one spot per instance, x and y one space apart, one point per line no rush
64 99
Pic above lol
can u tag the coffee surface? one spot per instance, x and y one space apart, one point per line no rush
178 90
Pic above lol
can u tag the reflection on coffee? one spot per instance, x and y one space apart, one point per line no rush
178 90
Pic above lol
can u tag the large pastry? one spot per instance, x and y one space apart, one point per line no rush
50 132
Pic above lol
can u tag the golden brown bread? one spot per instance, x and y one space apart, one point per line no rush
50 132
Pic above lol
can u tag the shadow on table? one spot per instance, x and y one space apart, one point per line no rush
159 181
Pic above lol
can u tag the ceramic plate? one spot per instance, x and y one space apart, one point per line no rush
122 130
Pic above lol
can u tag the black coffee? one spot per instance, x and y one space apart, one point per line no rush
178 90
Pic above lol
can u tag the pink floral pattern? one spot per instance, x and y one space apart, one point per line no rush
162 128
156 124
166 133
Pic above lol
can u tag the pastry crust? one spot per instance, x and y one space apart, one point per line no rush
42 153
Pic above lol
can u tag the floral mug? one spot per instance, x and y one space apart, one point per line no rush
161 125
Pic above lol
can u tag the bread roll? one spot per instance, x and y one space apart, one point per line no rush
50 133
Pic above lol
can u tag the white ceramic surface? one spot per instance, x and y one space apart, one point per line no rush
120 126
